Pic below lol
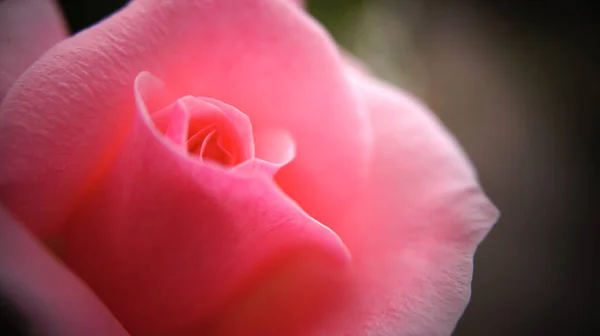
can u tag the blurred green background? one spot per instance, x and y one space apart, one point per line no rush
514 81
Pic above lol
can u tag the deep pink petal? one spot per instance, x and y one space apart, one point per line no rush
27 29
265 57
53 301
170 244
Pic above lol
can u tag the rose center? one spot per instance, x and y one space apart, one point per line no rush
210 143
207 129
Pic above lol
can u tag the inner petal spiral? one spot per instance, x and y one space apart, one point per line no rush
207 129
212 131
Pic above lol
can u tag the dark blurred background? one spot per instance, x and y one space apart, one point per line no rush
515 82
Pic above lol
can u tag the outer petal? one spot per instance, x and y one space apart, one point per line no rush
297 2
413 241
265 57
54 302
170 244
27 29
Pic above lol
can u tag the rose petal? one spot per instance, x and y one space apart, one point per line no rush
169 243
265 57
177 129
195 113
27 29
238 123
413 240
52 299
413 236
297 2
276 147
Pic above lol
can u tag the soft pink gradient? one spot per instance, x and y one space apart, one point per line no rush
219 168
266 58
27 29
167 241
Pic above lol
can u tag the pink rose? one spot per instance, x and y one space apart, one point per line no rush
218 168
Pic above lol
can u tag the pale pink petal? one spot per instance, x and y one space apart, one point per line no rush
413 240
53 301
170 244
258 167
353 64
275 147
265 57
27 29
177 129
297 2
